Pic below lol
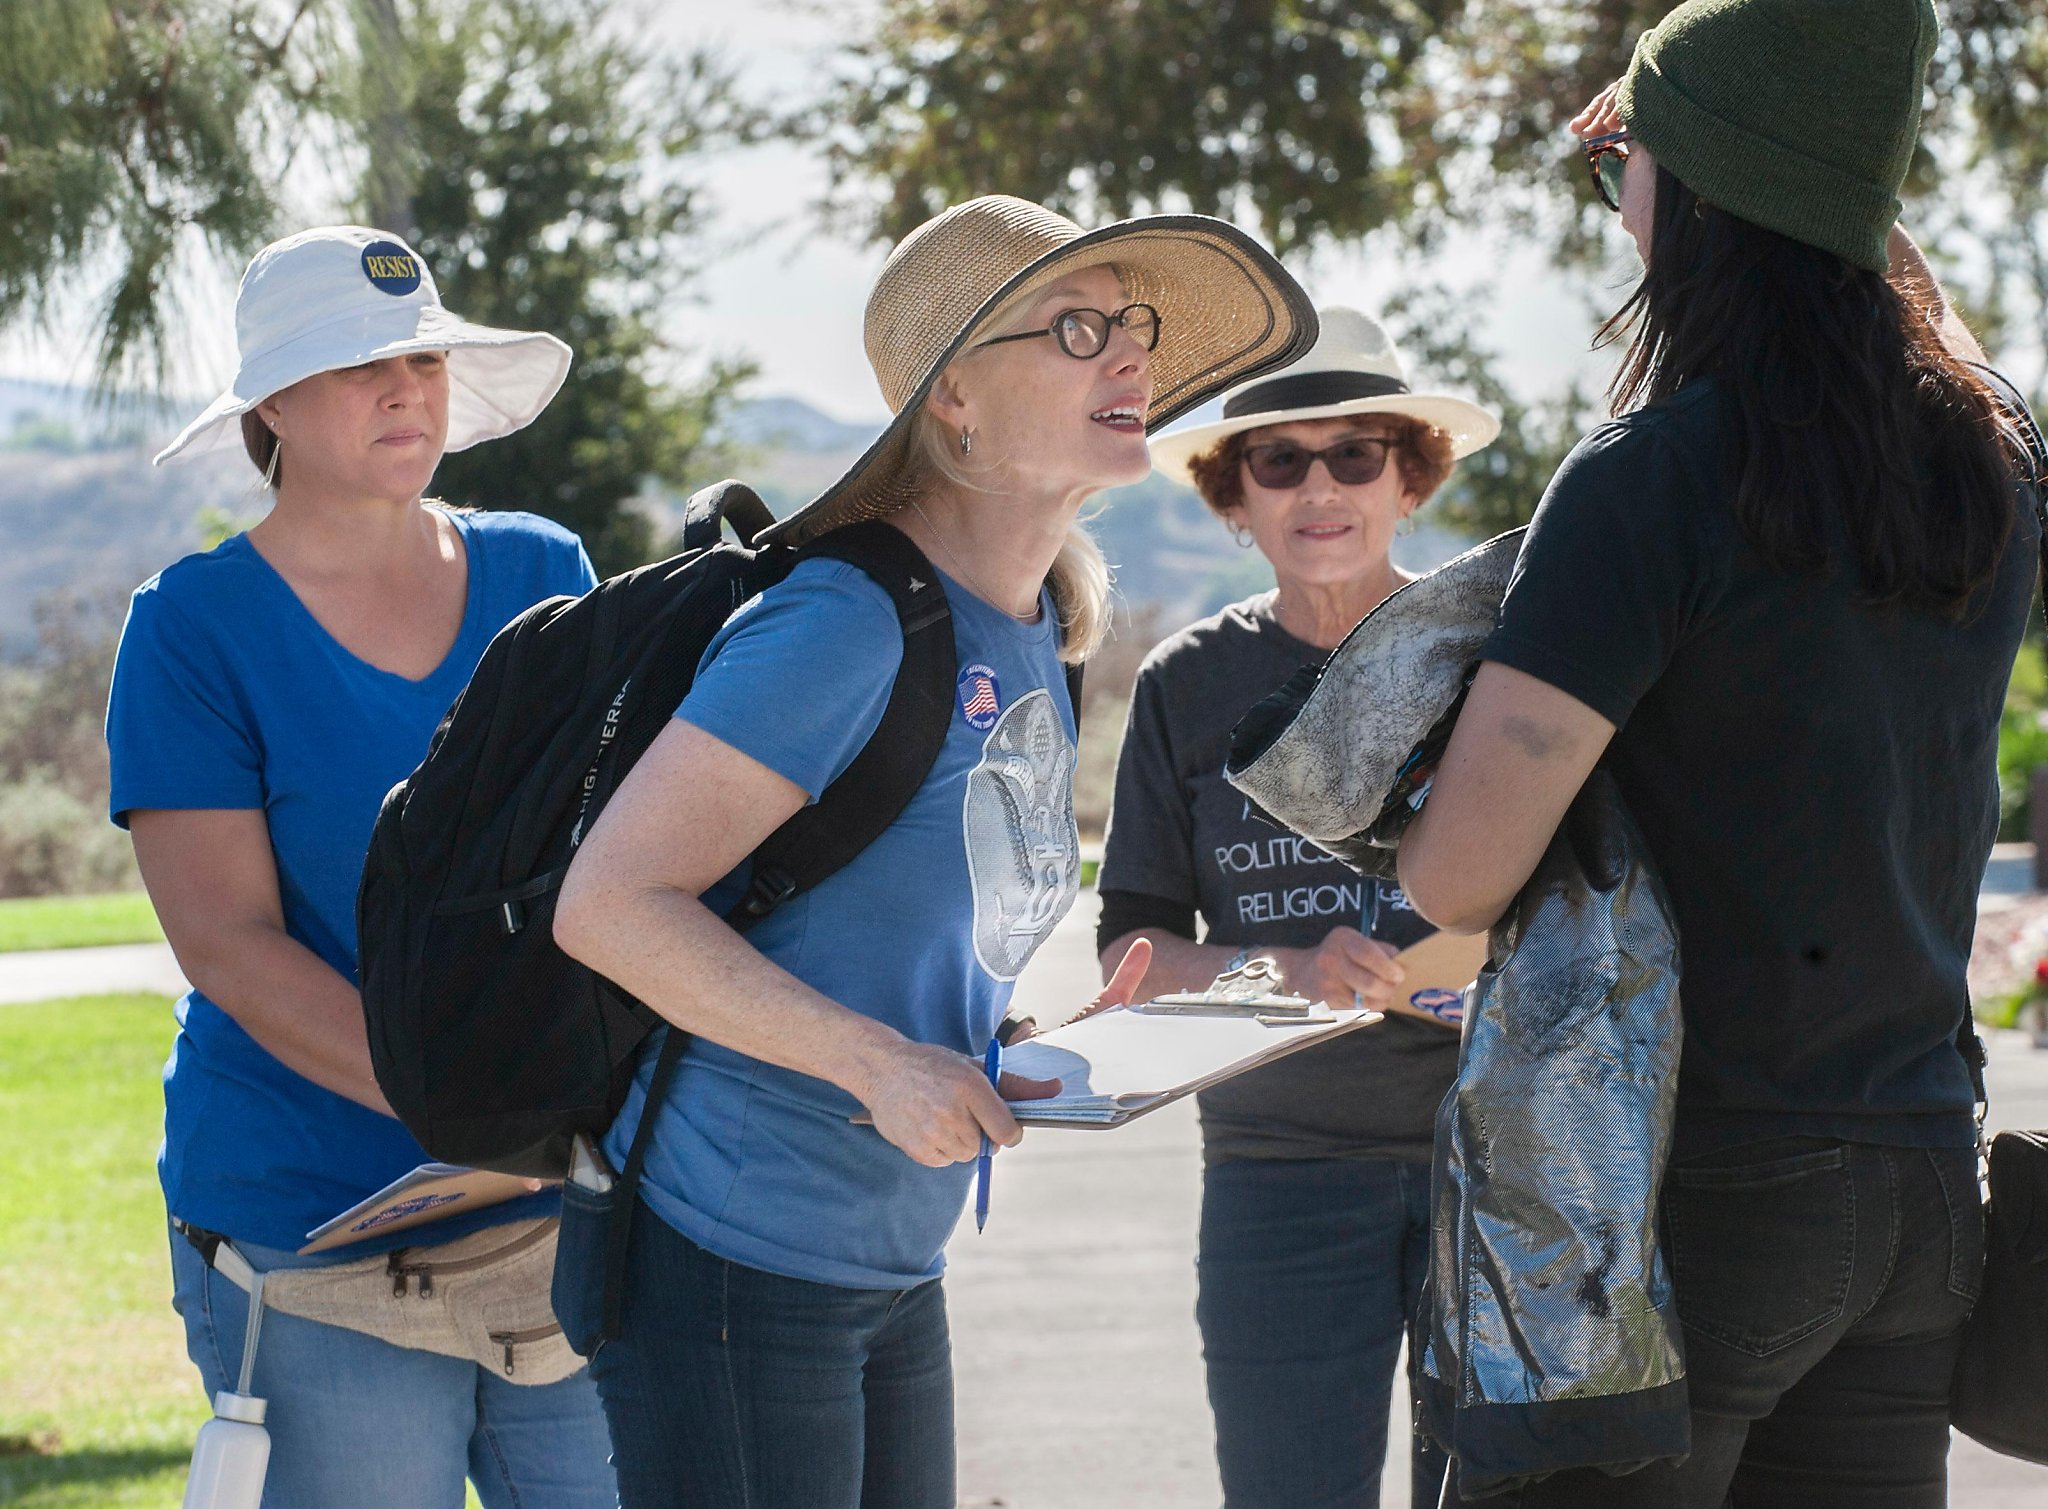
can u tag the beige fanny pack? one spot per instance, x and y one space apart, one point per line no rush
483 1297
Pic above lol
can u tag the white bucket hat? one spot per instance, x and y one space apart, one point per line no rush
1353 368
341 295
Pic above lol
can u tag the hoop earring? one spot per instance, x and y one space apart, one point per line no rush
1406 526
966 442
1242 535
270 471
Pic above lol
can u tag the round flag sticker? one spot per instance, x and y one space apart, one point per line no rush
391 268
980 697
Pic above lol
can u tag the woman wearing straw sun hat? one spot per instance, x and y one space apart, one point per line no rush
1315 1216
784 1340
266 695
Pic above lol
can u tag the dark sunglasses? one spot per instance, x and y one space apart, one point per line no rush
1084 333
1282 464
1606 157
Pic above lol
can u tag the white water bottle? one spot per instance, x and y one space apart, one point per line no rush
232 1453
230 1457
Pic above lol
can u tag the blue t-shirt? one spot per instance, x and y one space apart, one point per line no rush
926 930
228 694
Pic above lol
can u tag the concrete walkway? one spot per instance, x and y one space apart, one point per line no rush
44 974
1079 1366
1074 1340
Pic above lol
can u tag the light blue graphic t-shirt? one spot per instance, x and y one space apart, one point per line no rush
228 694
926 930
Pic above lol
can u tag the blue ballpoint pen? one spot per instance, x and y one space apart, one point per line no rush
992 1065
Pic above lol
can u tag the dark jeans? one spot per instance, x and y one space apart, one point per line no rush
730 1388
1823 1287
1310 1274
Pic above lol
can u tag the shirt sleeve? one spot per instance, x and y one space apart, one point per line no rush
581 575
1149 844
798 678
177 734
1610 576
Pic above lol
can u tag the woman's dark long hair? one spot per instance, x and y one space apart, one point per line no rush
1841 404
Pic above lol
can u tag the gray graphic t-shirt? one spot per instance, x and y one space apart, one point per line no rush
1180 833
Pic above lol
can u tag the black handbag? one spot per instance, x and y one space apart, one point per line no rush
2000 1395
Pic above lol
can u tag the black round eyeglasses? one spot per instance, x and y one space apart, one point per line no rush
1084 333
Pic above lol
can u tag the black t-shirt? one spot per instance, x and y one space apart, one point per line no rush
1816 780
1182 842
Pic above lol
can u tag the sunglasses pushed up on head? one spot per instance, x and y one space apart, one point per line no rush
1607 159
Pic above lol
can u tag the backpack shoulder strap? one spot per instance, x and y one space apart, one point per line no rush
871 792
849 815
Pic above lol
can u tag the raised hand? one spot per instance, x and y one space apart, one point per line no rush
1599 118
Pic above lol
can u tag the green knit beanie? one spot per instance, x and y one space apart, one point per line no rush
1797 115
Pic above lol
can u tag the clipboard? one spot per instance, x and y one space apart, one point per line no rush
428 1193
1120 1064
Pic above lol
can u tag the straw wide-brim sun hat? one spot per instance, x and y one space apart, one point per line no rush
1227 310
1354 368
341 296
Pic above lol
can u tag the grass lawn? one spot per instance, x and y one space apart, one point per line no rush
98 1404
77 921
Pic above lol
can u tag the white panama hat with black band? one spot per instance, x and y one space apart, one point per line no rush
341 296
1353 368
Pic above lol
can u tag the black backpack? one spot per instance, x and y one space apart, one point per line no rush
492 1045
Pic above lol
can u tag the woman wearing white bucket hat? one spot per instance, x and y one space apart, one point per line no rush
266 695
1315 1217
784 1338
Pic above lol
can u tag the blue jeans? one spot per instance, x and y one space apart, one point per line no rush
731 1388
356 1421
1823 1287
1311 1271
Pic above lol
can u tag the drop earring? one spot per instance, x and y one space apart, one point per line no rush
966 442
276 450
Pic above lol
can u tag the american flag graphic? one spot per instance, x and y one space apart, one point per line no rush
982 704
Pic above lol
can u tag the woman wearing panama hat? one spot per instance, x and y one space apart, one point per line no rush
266 695
784 1341
1315 1215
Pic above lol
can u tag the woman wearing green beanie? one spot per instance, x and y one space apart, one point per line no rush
1779 597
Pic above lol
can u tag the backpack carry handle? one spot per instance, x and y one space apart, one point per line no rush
731 501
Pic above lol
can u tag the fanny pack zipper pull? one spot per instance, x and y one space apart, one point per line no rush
508 1359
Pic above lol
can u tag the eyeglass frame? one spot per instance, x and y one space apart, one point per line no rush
1612 144
1052 329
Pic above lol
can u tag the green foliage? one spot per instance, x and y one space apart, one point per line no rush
550 194
1288 113
129 129
54 834
1496 488
2022 739
1327 122
97 1399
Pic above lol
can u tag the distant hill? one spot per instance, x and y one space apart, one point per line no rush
81 508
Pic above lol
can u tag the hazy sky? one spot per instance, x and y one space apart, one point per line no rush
790 296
